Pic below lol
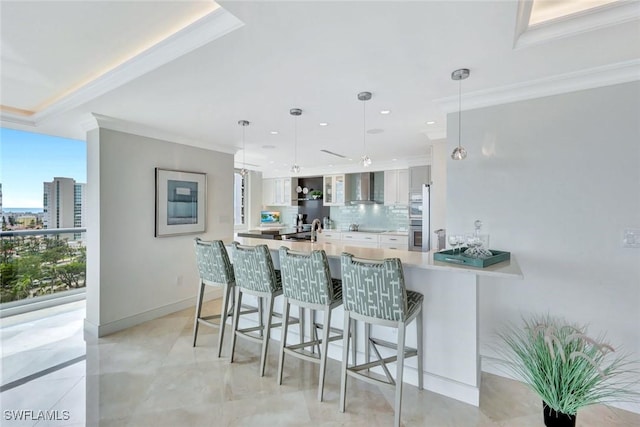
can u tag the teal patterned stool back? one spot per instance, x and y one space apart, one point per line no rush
306 277
374 289
254 269
213 262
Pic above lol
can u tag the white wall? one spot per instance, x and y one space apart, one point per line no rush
439 155
133 276
555 181
255 200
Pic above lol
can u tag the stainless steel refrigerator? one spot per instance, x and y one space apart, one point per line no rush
419 219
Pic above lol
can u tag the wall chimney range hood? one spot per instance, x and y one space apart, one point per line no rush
366 188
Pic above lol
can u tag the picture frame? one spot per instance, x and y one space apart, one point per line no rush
181 202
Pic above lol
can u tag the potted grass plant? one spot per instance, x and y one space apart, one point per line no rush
566 368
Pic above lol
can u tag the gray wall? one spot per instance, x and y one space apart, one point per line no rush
133 276
555 181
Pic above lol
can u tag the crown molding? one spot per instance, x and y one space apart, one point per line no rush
6 117
95 121
622 72
205 30
577 23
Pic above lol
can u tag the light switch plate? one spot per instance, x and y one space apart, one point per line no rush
631 238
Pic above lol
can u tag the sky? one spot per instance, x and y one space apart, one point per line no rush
29 159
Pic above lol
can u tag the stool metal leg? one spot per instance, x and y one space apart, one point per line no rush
354 341
301 320
323 352
236 316
283 340
224 314
420 350
261 315
400 366
198 311
266 334
367 343
345 356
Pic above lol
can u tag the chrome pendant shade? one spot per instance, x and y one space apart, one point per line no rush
295 112
365 160
243 172
459 153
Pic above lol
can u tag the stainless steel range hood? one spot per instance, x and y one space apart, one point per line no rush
366 188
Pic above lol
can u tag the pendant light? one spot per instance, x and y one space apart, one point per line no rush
365 160
243 171
459 153
295 112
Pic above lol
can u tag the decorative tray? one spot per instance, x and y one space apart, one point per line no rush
460 258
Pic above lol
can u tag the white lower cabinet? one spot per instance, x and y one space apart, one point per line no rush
393 241
369 240
364 239
330 235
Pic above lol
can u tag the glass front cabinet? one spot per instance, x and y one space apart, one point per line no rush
335 190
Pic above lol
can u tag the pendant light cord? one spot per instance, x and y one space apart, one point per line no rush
244 151
459 112
364 128
295 140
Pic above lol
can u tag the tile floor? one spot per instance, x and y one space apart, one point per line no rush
150 375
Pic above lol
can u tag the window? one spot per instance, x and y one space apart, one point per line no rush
239 198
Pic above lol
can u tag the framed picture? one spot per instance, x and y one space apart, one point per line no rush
181 200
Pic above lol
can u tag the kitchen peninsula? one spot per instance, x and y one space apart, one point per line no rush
277 234
451 360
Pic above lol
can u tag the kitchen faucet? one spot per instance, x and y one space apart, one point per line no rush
314 235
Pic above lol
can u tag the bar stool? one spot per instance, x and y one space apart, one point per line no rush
373 291
255 275
307 283
214 269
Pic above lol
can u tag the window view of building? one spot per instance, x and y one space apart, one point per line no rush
64 203
38 196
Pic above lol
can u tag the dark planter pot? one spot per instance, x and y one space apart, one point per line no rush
557 419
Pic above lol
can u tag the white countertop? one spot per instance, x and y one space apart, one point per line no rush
506 269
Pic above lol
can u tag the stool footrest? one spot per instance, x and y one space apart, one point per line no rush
206 321
369 379
302 354
373 364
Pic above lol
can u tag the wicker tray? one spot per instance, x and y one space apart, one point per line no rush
460 258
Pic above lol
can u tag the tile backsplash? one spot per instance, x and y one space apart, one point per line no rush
371 217
378 217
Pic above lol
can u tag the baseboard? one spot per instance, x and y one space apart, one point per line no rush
99 331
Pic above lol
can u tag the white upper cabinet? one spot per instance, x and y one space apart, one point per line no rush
278 191
334 190
268 192
396 187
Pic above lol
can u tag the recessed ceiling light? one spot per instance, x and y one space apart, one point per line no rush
274 132
324 124
351 160
431 122
330 166
268 147
385 112
393 160
271 162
